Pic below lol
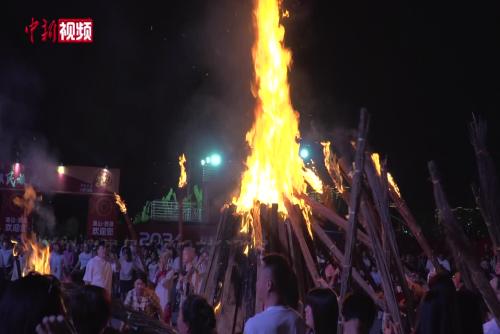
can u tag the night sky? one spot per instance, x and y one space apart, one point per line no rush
168 77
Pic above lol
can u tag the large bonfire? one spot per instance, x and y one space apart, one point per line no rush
275 172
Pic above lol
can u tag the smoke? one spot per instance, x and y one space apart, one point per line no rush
20 97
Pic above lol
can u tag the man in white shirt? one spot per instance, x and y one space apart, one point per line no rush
275 288
98 271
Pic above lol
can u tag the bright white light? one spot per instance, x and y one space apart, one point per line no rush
304 153
207 159
203 162
215 159
60 170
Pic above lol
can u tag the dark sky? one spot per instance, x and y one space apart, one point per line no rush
168 77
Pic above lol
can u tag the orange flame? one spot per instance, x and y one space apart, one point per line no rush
392 183
183 176
121 203
274 167
37 255
313 179
333 167
217 307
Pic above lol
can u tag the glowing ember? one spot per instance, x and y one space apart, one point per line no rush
183 176
121 203
246 250
275 170
376 161
217 308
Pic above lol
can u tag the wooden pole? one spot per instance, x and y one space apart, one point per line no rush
487 196
412 225
462 245
321 210
339 258
355 198
383 267
379 187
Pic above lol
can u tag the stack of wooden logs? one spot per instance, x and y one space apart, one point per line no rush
364 186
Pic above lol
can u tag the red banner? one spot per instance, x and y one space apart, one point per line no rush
11 216
102 222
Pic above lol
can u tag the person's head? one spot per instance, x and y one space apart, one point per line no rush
86 248
374 269
56 247
438 312
188 254
90 309
274 281
101 251
140 286
322 310
358 312
28 300
196 316
441 256
6 244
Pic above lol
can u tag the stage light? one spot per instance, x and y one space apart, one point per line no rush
207 159
215 159
60 170
304 153
203 162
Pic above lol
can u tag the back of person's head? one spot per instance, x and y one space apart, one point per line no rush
439 312
324 309
90 309
359 306
198 316
472 311
281 275
27 300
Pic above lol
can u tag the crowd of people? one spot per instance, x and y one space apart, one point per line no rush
163 283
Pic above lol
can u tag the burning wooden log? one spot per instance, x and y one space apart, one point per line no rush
487 197
462 245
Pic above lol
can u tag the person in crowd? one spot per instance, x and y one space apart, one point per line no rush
375 275
83 258
163 283
56 261
273 286
471 312
152 267
69 258
358 313
19 262
142 299
196 316
495 281
98 271
28 301
126 267
442 261
439 312
321 311
90 309
6 258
